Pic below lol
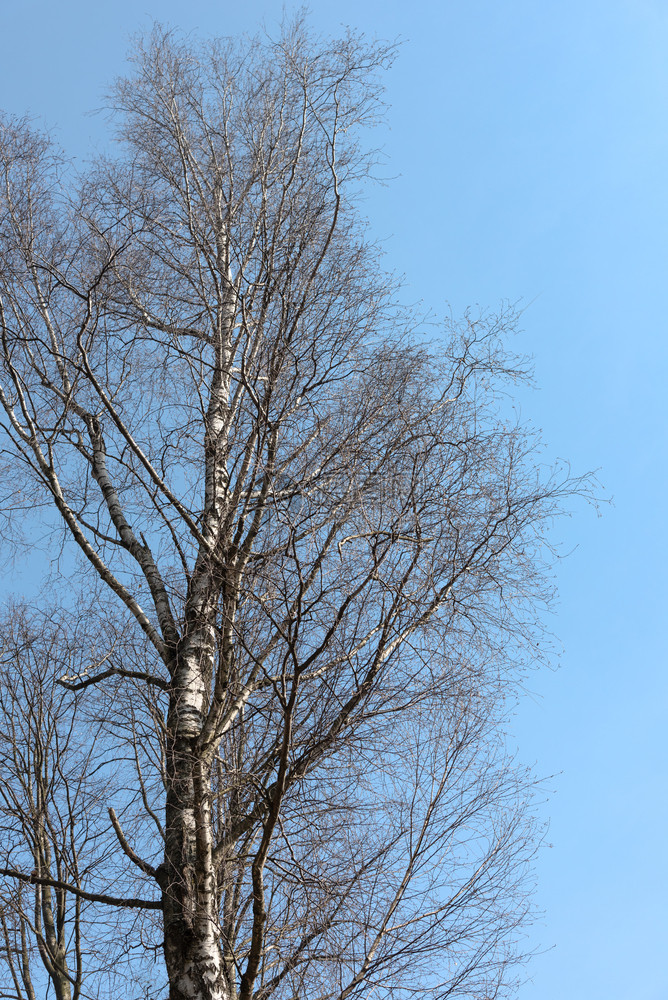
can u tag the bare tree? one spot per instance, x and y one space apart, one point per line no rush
51 800
325 535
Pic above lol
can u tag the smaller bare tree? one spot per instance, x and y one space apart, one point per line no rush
56 835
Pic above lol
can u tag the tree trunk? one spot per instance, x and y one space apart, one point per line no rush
192 951
192 947
190 898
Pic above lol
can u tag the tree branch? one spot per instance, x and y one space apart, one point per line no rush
131 854
66 680
92 897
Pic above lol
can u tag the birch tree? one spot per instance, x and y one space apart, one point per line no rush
315 538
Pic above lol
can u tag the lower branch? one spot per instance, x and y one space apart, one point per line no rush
92 897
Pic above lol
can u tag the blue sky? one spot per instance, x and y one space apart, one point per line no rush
529 151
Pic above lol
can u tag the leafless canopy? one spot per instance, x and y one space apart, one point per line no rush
314 545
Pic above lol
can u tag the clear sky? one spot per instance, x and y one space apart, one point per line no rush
529 147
